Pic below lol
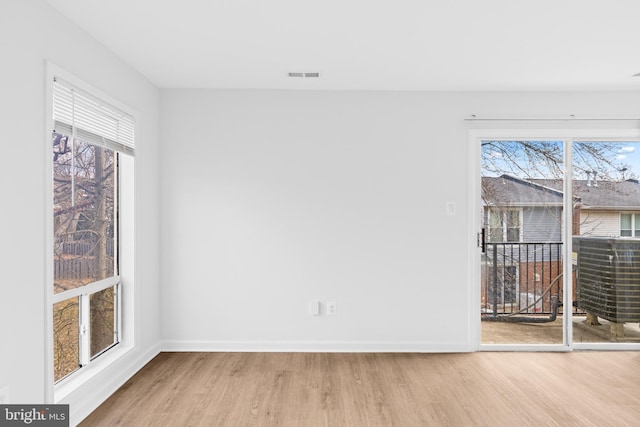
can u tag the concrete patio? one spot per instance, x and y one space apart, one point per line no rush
551 333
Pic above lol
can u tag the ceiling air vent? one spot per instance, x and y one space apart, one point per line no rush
305 75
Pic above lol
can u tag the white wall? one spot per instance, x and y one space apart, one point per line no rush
274 198
30 33
270 199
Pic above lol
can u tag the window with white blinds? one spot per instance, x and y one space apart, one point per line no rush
82 115
92 225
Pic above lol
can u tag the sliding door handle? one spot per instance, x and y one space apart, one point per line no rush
482 240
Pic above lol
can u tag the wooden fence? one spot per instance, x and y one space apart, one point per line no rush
76 260
74 268
81 248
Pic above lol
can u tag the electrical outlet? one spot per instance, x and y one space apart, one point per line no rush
4 395
332 308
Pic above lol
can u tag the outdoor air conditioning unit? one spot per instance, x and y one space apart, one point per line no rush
608 277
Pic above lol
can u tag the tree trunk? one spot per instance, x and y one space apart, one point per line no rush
100 224
101 304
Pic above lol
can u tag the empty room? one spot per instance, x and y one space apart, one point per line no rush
337 213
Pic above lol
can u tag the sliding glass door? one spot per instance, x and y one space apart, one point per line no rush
522 259
606 242
559 241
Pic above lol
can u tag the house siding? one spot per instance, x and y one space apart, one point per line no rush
542 224
600 223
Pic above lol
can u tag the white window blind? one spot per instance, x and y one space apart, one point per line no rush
92 120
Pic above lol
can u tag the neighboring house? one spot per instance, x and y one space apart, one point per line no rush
519 210
516 210
606 208
524 228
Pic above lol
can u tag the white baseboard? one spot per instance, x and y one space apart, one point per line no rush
81 408
316 346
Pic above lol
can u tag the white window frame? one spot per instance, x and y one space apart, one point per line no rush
83 293
634 218
124 283
505 229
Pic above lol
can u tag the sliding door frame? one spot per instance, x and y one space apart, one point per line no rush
568 132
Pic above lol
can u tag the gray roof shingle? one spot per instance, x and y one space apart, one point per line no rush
606 194
507 190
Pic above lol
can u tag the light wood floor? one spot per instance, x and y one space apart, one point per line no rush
333 389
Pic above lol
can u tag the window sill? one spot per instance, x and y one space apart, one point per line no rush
76 380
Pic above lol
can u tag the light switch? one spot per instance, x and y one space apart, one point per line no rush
450 208
314 308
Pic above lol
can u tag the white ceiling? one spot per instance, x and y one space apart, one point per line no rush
371 44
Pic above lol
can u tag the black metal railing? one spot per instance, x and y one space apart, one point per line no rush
521 278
